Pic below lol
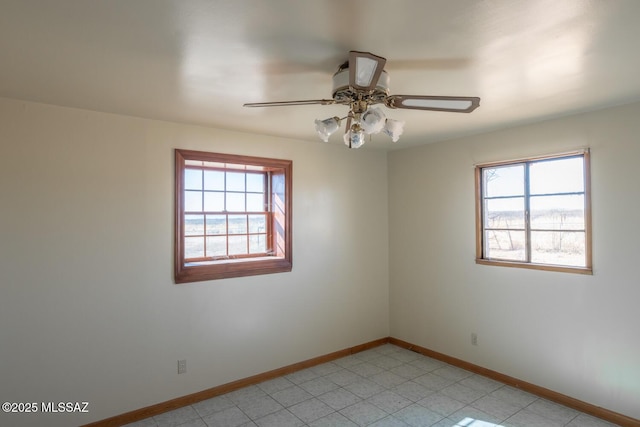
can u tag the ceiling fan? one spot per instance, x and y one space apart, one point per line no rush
361 83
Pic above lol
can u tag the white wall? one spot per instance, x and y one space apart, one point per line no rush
89 311
88 307
575 334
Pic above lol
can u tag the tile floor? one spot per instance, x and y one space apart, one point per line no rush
387 386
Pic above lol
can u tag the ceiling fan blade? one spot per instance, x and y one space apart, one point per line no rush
287 103
364 70
455 104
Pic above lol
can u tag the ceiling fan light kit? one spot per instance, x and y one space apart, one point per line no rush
362 82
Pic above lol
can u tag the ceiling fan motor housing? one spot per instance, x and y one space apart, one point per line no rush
343 93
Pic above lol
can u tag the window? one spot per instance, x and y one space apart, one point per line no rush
535 213
233 216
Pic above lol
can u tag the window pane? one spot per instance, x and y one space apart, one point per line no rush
257 243
194 225
557 212
503 181
255 202
216 246
216 224
506 245
257 223
214 180
193 179
235 202
535 211
235 181
557 176
558 247
214 201
193 201
504 213
237 224
255 182
193 247
237 245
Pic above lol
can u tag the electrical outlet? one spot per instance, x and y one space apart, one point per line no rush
474 338
182 366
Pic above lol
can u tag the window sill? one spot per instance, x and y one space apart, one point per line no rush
223 269
230 261
531 266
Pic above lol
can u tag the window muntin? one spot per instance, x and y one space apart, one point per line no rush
535 213
233 216
226 213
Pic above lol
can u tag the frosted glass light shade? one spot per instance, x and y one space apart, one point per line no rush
373 121
394 128
326 127
354 139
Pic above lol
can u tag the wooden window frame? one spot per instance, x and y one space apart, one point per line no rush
279 219
480 256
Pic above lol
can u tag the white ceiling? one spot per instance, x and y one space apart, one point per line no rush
198 61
